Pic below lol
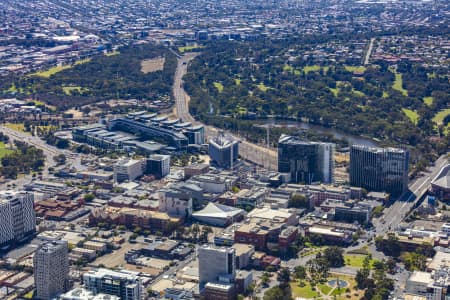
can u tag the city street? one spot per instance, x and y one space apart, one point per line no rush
397 212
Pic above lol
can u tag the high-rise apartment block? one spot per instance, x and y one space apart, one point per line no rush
216 264
305 161
17 217
223 151
124 284
379 169
51 269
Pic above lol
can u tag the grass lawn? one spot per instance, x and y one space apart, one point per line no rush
83 61
188 48
335 91
363 107
68 89
355 68
356 260
38 103
56 69
12 89
291 69
29 295
411 114
439 117
324 288
428 100
337 292
237 81
313 68
385 94
398 84
218 86
263 87
51 71
288 68
115 52
303 292
358 93
4 150
16 126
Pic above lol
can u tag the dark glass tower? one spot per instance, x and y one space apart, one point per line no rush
379 169
305 161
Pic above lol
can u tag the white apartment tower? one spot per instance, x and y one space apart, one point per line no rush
51 269
17 217
128 170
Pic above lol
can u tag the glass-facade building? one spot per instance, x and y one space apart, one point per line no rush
305 161
379 169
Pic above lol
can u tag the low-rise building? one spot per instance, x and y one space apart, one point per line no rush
219 291
196 169
96 246
219 215
330 234
132 217
175 201
84 294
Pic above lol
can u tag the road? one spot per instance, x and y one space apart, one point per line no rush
256 154
394 214
369 51
49 152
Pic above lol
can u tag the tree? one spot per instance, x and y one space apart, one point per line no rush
89 197
284 277
275 293
60 159
334 256
300 272
390 245
318 269
414 261
299 201
362 275
265 278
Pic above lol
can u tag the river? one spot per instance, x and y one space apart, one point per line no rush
351 139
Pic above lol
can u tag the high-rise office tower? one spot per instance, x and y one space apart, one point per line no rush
216 264
379 169
51 269
158 165
17 217
223 151
306 161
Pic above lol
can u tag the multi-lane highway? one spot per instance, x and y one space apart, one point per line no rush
257 154
394 214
